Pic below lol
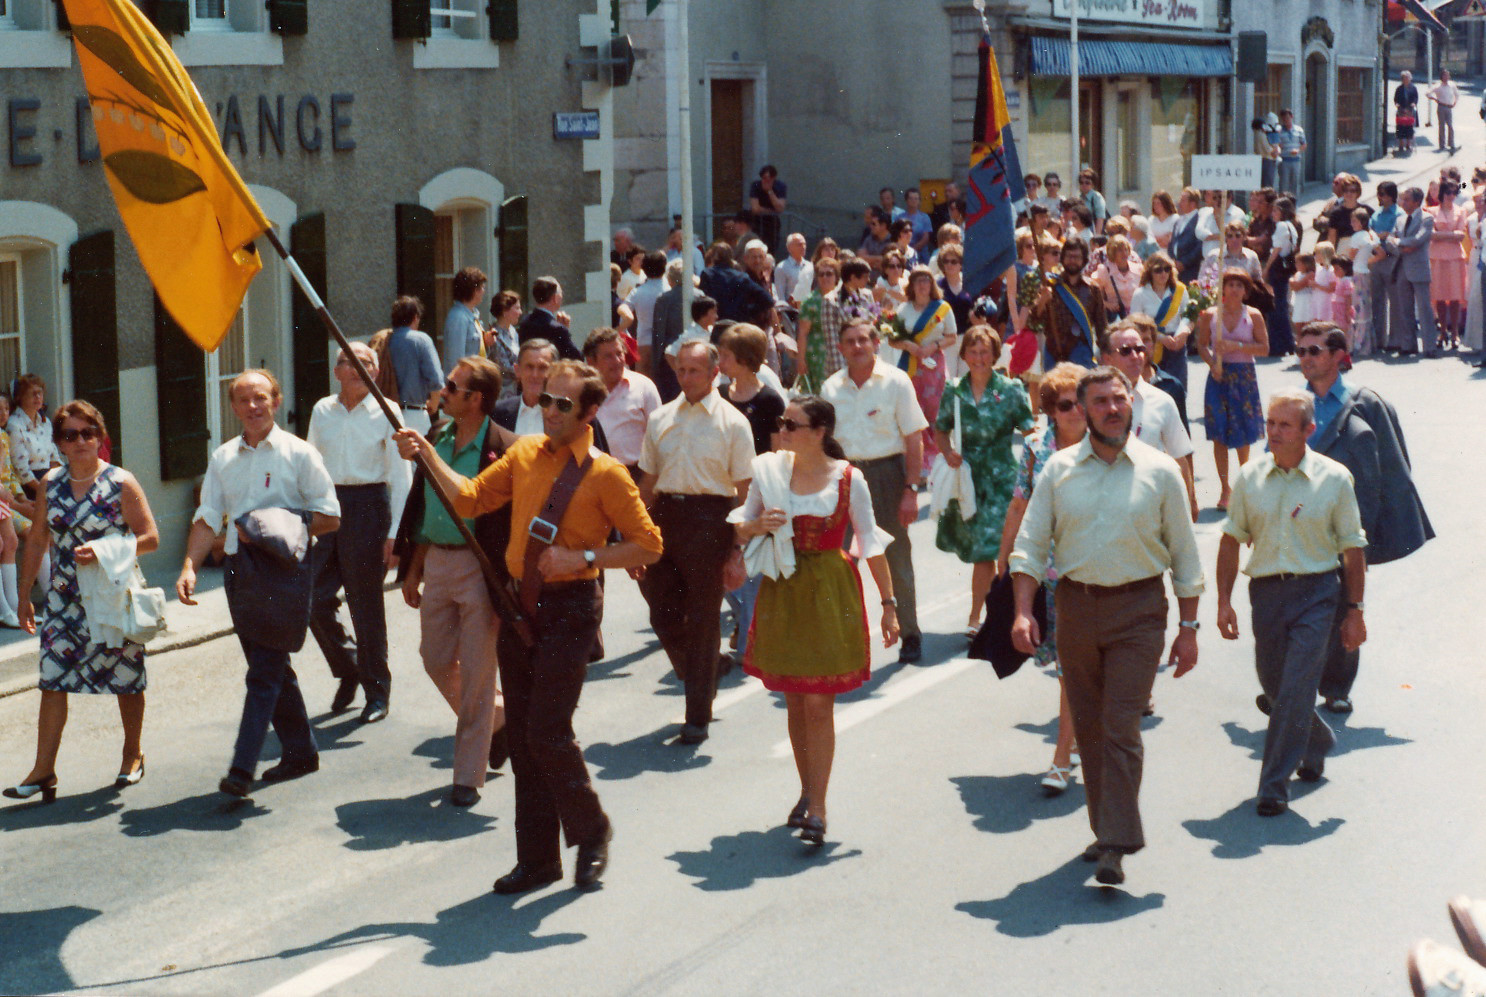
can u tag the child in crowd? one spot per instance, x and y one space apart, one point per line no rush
1301 310
1323 282
1342 297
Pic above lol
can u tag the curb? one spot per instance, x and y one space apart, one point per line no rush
26 682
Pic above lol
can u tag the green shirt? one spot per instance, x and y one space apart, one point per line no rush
437 526
1299 520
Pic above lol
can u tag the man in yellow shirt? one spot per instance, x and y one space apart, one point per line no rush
1299 510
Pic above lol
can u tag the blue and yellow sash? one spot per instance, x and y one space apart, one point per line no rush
1080 315
928 321
1170 308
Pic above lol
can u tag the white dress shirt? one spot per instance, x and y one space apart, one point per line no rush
357 448
1155 421
32 448
529 420
625 413
698 449
282 472
787 277
872 420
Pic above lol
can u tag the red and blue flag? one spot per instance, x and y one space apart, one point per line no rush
995 181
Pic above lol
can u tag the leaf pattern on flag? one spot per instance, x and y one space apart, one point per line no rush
116 54
153 178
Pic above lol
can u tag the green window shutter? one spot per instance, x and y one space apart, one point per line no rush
172 17
415 254
411 19
514 271
180 383
63 24
289 17
311 363
502 15
95 330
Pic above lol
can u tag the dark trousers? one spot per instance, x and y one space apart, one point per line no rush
684 590
1109 644
886 481
351 558
273 697
1340 669
542 685
1292 620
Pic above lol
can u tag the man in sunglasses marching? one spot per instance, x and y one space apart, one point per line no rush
557 560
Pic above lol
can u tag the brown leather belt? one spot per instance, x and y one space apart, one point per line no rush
1110 589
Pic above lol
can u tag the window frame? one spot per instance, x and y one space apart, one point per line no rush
1358 98
19 335
243 37
29 38
454 12
212 25
446 48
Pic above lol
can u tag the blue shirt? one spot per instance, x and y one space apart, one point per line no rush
1329 405
923 227
1384 219
461 335
1290 140
416 364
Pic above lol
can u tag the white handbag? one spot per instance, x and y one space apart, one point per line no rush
947 482
144 610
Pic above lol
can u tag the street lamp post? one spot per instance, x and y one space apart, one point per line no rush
1073 91
683 43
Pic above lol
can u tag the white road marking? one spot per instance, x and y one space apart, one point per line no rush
331 973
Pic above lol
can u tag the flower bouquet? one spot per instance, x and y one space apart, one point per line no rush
896 334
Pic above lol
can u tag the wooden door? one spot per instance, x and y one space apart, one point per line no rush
1090 135
727 151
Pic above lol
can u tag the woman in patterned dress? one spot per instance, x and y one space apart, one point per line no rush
502 345
1066 428
814 368
992 408
1229 336
809 638
81 501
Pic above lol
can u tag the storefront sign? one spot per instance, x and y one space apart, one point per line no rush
1167 13
1226 172
575 124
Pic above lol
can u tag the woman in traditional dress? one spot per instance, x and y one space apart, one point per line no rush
82 501
1229 336
930 324
809 638
990 409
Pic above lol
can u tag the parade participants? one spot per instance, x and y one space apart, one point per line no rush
818 329
521 413
810 639
696 459
1113 514
1229 336
1280 266
1066 428
1154 418
1447 275
1164 299
464 334
414 363
631 398
355 443
264 469
1119 275
558 562
1185 247
990 409
1071 310
1299 512
738 296
1356 427
82 503
547 320
1412 238
957 295
1232 255
1155 376
642 302
930 323
880 426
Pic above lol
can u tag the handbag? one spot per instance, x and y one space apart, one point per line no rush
949 483
144 610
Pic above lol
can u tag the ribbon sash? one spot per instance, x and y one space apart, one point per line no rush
1171 305
928 321
1079 313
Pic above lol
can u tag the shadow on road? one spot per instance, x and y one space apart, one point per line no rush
655 751
1348 739
424 817
614 668
334 737
737 861
1062 897
33 942
1240 833
1047 731
67 810
204 812
1005 804
440 749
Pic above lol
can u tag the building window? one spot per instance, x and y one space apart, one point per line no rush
1047 129
455 18
7 17
1175 131
29 38
210 15
1271 95
460 237
1352 87
1127 141
12 332
229 33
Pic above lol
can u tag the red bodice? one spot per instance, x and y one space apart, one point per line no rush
816 533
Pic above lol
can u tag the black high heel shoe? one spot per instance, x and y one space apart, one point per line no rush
46 787
813 830
796 817
127 779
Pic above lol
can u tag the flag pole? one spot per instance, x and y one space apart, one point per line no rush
511 608
1073 90
683 138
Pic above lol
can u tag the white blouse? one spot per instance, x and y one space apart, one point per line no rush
32 448
870 540
1145 301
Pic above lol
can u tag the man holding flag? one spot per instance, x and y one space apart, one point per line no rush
1071 309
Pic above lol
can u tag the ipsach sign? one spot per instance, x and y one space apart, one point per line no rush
1168 13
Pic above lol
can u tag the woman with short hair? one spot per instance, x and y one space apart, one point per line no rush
1164 299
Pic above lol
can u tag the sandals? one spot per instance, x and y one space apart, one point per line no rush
796 816
1057 779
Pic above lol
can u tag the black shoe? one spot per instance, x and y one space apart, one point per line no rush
292 770
693 733
499 749
375 710
912 650
725 664
1111 871
1270 808
464 796
593 859
525 878
1338 704
1091 854
1311 773
1262 701
344 694
796 818
237 783
813 830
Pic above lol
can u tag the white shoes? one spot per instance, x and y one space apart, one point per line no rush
1057 779
8 618
1437 971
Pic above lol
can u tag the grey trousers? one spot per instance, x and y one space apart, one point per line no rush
886 480
1292 620
351 559
1384 310
1415 315
1290 177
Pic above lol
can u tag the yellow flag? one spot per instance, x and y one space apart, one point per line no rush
189 213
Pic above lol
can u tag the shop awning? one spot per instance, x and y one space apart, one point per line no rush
1105 57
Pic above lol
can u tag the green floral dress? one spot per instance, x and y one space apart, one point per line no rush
990 426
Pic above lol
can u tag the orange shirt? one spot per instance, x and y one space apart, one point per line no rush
606 499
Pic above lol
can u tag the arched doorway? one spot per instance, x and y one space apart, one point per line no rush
1316 103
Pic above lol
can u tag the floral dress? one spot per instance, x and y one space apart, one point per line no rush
989 427
10 481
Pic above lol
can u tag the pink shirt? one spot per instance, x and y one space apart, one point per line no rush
625 413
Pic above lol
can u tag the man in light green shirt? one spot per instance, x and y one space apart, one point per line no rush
1299 510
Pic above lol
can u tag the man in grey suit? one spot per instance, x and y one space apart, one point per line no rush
1412 235
1357 428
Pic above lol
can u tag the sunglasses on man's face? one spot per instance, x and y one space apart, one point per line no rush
87 434
1310 351
563 405
453 388
1130 351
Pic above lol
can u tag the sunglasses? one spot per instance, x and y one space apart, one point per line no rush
1160 269
1065 405
563 405
788 425
87 435
892 266
1311 351
453 388
1130 351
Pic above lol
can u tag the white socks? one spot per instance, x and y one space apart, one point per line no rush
7 584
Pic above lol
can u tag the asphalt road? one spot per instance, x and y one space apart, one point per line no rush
946 870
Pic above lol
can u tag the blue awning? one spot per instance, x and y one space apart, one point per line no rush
1104 57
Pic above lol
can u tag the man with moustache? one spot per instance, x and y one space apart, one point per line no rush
1114 513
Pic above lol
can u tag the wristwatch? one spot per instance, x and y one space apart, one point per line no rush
589 557
1191 624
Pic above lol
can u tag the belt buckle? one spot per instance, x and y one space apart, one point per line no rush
542 530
